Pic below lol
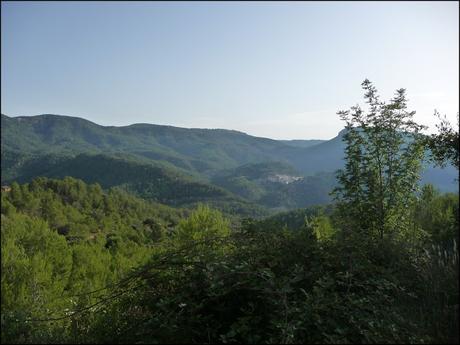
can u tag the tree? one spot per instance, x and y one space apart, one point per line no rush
203 224
382 164
444 144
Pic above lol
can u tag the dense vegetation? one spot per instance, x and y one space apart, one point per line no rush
36 146
150 181
83 264
200 150
276 185
63 238
291 278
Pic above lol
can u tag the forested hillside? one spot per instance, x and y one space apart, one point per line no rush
203 153
62 238
276 185
70 252
232 171
149 180
91 263
213 172
194 149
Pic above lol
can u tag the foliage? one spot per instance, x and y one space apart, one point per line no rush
444 145
58 243
157 275
153 182
382 165
84 265
277 286
438 215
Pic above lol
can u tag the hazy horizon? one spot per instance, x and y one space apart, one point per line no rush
274 70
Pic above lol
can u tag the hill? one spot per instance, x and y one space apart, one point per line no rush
189 165
276 185
149 180
201 150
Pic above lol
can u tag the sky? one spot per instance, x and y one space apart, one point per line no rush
280 70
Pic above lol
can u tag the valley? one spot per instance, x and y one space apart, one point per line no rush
175 166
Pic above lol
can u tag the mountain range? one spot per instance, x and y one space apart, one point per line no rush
234 171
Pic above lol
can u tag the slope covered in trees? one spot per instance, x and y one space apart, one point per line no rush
201 152
180 166
379 265
149 180
63 238
276 185
70 252
249 188
195 149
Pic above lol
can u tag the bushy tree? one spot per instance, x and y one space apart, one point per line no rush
382 165
203 224
437 214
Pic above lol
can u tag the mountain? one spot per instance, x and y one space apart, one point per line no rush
199 150
203 151
230 168
150 180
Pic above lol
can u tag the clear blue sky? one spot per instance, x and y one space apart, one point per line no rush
278 70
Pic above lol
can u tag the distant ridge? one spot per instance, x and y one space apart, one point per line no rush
144 124
198 150
201 154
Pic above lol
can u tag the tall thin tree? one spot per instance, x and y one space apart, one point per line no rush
382 164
